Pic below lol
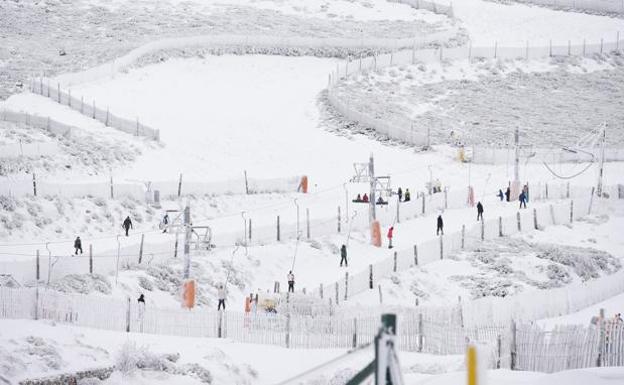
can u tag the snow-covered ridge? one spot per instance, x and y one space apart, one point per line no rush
614 7
401 128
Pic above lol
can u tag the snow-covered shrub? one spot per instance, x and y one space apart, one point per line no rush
127 358
99 202
7 203
82 283
146 284
44 351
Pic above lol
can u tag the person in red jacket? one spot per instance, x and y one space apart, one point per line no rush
390 231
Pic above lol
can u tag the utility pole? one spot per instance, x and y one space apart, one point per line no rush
187 240
372 200
602 157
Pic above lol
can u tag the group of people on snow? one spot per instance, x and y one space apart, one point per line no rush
523 197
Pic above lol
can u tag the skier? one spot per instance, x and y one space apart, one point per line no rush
358 198
390 231
221 297
127 224
78 245
407 195
522 199
165 222
291 282
507 194
343 256
479 211
141 303
525 190
400 194
440 225
365 198
500 195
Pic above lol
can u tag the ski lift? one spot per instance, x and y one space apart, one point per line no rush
202 237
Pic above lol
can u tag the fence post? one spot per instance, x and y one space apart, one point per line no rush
519 222
249 230
398 213
441 246
571 211
128 317
338 219
601 43
112 195
175 251
354 345
445 198
535 219
58 92
37 302
482 229
90 259
321 290
463 236
278 229
180 185
601 340
546 191
34 184
394 267
337 293
423 203
415 255
568 190
591 200
82 104
288 326
69 98
370 276
552 214
569 48
220 325
346 294
420 332
380 295
513 348
246 183
495 49
107 115
141 248
500 226
37 269
308 223
550 48
499 346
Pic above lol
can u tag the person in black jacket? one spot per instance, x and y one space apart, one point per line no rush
479 211
78 245
440 225
343 255
127 224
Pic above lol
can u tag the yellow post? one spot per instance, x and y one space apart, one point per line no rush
471 364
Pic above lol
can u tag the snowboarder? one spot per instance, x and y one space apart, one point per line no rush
479 211
78 245
390 231
221 297
407 195
522 199
291 282
127 224
400 194
365 198
507 194
343 255
440 225
500 195
165 222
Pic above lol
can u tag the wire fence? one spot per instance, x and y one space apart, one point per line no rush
519 346
42 87
595 6
402 128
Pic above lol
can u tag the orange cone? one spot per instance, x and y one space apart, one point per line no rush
188 294
375 234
